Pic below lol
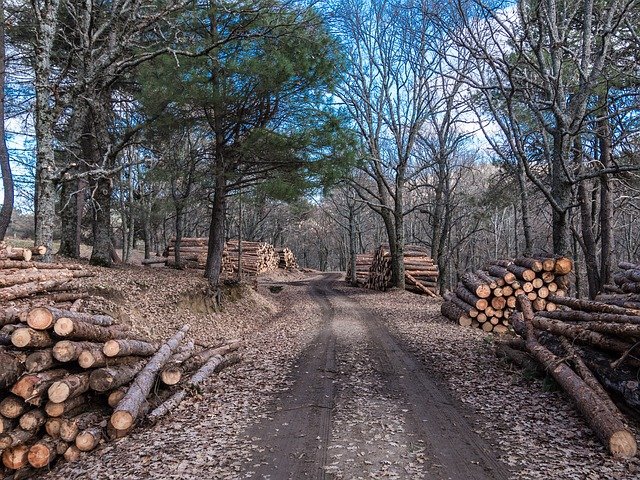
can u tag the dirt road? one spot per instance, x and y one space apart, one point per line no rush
362 406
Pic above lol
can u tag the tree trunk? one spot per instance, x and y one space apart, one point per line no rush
606 202
216 233
101 254
5 166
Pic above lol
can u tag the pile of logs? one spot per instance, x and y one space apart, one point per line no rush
287 260
373 270
257 257
627 286
71 379
363 264
421 274
487 298
590 349
8 252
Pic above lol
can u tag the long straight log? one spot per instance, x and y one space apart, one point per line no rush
78 330
5 264
41 318
580 334
26 289
57 409
615 436
462 292
580 316
127 411
125 348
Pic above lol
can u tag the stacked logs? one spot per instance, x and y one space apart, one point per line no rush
363 264
7 252
287 260
486 298
257 257
71 379
626 290
421 274
589 349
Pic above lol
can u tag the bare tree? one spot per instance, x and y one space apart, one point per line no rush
5 166
386 91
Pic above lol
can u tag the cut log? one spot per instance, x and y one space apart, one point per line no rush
615 436
108 378
125 348
531 263
171 373
72 454
127 411
593 306
33 420
70 386
12 368
469 297
71 427
32 386
40 360
15 458
26 289
580 334
15 437
12 407
6 424
115 396
6 264
88 439
214 364
452 311
580 316
563 266
41 318
522 273
52 427
45 451
79 330
69 351
63 408
30 338
475 285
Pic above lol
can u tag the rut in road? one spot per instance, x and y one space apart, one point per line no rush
361 406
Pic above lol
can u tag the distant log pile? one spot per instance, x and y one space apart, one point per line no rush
626 291
287 260
363 264
257 257
589 347
487 298
72 379
373 270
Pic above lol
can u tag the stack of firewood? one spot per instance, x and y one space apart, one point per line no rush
363 264
71 379
590 349
287 260
487 298
421 274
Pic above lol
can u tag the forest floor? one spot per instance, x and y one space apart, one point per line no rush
338 383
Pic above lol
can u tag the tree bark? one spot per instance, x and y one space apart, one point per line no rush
5 165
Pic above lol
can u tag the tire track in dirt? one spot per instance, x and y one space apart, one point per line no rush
296 435
393 386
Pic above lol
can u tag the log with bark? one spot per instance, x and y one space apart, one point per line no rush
129 408
606 424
